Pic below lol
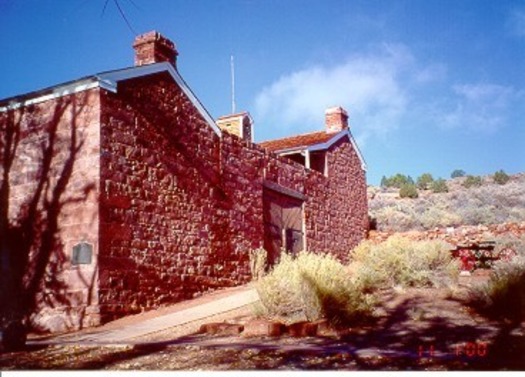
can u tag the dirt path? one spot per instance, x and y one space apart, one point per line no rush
417 329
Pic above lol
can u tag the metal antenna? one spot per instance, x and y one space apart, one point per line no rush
233 83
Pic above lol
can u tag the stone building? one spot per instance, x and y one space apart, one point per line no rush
128 195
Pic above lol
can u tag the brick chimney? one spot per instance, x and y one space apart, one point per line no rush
152 47
336 119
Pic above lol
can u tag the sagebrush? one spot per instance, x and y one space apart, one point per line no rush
503 297
258 263
399 261
489 204
312 286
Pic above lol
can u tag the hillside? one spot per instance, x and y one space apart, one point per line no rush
491 203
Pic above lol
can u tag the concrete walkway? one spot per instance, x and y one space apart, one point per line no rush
206 306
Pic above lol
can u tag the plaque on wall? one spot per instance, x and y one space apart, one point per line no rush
82 253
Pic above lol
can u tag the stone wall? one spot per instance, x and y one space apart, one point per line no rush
171 209
337 207
181 207
52 205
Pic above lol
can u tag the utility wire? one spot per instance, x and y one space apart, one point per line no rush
124 17
122 14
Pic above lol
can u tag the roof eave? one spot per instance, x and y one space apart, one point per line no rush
108 81
335 139
53 92
114 77
326 145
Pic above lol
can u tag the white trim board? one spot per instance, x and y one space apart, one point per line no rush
56 92
109 81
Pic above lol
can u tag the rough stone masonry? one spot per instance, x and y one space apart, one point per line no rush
162 202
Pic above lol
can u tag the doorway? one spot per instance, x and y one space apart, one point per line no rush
283 224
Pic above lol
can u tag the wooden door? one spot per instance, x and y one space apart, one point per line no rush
283 224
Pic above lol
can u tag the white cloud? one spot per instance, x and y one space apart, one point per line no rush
368 86
480 107
432 73
383 92
516 22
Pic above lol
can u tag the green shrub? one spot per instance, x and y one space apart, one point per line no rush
400 261
500 177
408 191
396 181
312 286
472 181
424 181
439 186
458 173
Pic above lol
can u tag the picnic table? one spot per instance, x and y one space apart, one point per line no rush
480 254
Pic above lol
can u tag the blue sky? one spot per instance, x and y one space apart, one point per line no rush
430 86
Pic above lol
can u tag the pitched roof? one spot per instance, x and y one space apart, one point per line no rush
243 113
107 80
313 141
297 141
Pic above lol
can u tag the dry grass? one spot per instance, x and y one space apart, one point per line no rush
491 203
503 296
258 263
313 286
401 262
310 287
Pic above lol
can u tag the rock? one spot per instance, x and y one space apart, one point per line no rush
324 328
302 329
221 329
262 327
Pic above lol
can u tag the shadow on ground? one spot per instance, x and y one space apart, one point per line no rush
412 335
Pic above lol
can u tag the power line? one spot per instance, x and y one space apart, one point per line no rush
124 17
122 14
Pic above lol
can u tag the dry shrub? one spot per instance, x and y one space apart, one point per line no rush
401 262
510 243
435 217
489 204
503 297
310 287
258 263
390 215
